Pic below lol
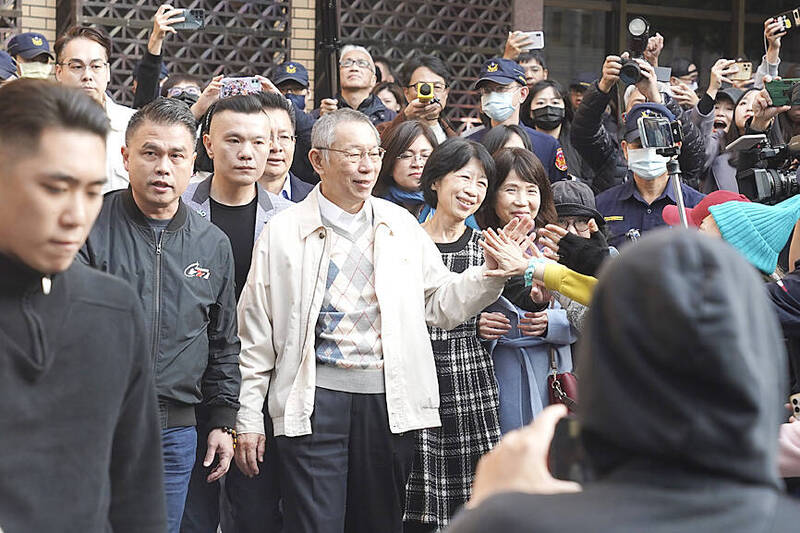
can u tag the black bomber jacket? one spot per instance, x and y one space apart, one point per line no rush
185 281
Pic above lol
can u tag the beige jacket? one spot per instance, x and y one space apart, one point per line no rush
279 306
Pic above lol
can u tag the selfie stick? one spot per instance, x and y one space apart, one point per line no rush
674 171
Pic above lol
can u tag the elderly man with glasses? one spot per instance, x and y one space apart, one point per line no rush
356 80
333 322
82 55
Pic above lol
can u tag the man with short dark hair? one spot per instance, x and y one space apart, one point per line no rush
183 268
277 177
78 426
231 199
430 70
503 88
82 61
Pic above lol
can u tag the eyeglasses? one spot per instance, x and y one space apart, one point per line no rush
353 156
408 156
579 223
77 67
284 139
437 87
360 63
177 91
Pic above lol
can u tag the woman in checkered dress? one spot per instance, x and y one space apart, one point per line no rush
454 182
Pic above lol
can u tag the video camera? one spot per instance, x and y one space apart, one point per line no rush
770 178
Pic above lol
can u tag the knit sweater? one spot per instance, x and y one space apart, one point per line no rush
348 333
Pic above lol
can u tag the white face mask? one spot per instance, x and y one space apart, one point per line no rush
35 70
498 106
646 163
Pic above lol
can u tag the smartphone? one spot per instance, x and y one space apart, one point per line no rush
537 38
789 19
237 86
794 404
746 142
658 132
194 19
745 71
567 457
784 92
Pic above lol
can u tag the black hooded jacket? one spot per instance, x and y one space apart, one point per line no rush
683 380
81 446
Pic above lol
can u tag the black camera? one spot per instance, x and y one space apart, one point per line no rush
639 35
771 178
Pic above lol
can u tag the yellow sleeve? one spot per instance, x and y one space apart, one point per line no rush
571 284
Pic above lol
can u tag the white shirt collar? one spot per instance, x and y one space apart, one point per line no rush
341 218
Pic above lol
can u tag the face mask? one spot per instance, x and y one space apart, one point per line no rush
548 117
35 70
646 163
188 98
498 106
693 85
298 100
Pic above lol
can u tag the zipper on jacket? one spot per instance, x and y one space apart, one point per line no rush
157 298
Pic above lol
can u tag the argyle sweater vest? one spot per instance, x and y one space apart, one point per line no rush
348 332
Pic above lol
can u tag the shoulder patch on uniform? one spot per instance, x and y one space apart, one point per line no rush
561 161
614 218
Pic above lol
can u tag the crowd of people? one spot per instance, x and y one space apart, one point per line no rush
239 313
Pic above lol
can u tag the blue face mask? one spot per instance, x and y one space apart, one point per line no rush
498 106
298 100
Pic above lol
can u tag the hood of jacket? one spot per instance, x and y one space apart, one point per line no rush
683 362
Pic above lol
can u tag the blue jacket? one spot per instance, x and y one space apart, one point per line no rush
624 209
520 359
300 188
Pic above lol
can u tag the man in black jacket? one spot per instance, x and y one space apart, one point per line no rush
602 152
183 269
78 427
683 383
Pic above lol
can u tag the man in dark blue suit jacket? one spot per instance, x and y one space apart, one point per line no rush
277 178
503 89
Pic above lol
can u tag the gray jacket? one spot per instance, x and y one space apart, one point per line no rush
197 196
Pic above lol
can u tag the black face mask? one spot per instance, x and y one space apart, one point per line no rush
548 117
188 99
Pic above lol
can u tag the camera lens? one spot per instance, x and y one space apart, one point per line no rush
630 72
638 26
425 89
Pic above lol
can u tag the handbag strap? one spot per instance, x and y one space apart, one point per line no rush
555 384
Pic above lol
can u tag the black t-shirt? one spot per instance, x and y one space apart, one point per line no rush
238 223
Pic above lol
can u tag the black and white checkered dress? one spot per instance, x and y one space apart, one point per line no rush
446 457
